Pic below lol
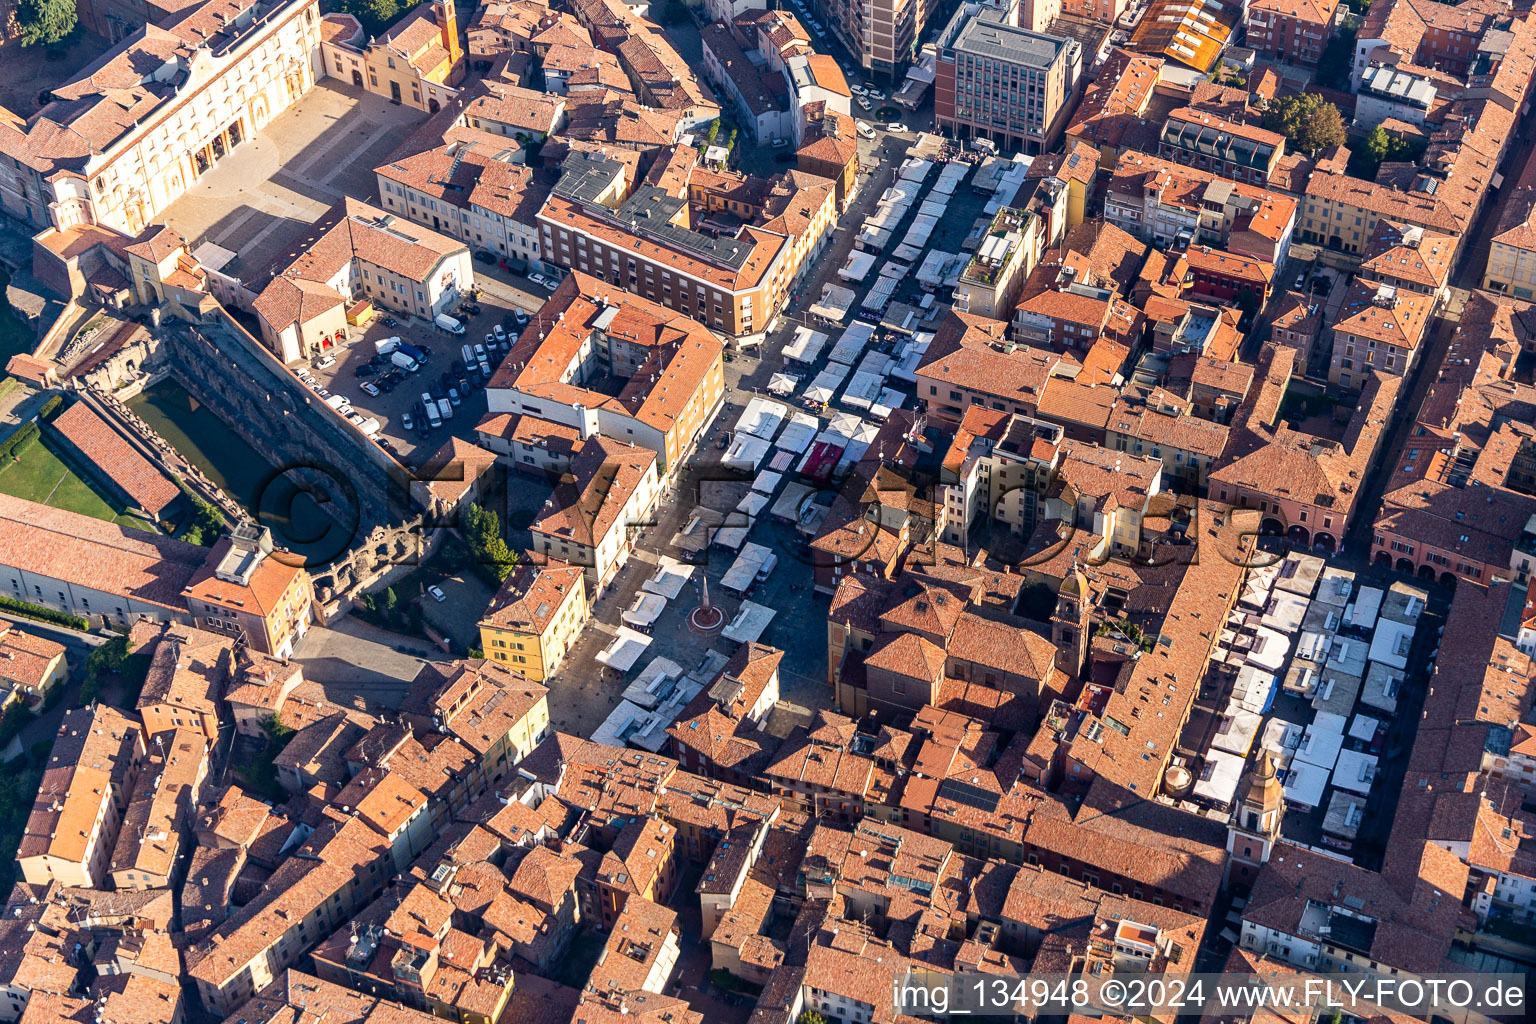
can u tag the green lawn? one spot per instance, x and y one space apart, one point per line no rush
43 477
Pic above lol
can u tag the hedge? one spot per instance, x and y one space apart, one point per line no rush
19 441
50 407
38 612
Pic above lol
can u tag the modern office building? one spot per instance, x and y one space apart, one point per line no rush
1003 83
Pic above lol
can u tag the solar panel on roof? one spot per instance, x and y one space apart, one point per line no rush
969 795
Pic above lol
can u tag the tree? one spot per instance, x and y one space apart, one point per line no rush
810 1017
1379 147
1307 121
491 552
207 523
45 22
390 603
375 15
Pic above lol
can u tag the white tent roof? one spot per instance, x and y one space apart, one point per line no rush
800 432
1355 771
1280 736
1285 611
655 683
1304 784
761 418
767 482
669 578
1392 642
624 649
1366 607
1236 731
645 609
788 505
1319 747
753 503
751 621
806 345
834 303
783 383
1363 727
746 452
1219 777
857 266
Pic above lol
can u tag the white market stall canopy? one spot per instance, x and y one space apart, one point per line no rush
799 433
1362 614
1392 642
1304 784
655 683
752 504
767 482
806 345
1363 727
1320 747
751 621
669 579
624 649
1236 730
851 344
644 610
857 267
783 384
1219 778
740 576
1355 771
834 303
788 505
863 390
761 418
746 453
889 401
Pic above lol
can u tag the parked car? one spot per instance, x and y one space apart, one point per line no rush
485 369
407 421
480 353
500 332
864 129
454 397
325 362
369 388
437 593
520 318
486 257
541 281
864 104
390 321
897 127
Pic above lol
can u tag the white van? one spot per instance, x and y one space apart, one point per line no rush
769 564
445 408
448 323
387 346
433 419
404 361
864 130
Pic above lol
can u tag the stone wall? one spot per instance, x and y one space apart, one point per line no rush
365 492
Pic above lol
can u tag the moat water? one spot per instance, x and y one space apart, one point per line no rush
194 430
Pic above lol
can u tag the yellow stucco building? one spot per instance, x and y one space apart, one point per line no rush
535 618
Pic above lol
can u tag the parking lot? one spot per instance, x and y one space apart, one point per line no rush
359 362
